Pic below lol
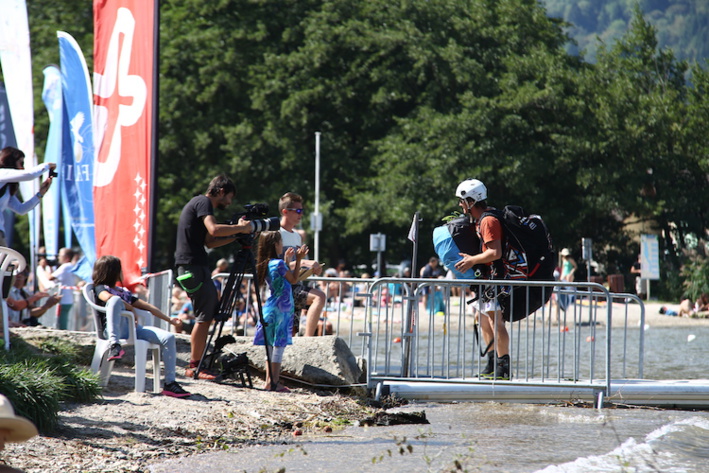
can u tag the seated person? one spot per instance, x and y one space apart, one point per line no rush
222 267
686 309
328 327
331 289
247 313
106 275
178 299
186 316
23 308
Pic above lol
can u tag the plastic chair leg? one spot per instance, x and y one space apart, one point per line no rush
157 378
106 368
141 358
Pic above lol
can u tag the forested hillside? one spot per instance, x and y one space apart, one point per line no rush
682 25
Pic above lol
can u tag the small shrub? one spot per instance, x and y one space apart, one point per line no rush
696 278
38 379
80 385
34 391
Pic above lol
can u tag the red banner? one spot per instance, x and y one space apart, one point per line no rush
123 112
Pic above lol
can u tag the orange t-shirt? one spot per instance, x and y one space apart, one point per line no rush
489 230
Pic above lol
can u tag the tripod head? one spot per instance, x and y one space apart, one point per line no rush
246 240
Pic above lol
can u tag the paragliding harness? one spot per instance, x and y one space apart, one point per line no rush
527 254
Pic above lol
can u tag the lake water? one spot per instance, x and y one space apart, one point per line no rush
515 438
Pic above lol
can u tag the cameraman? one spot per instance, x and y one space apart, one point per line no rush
12 171
196 229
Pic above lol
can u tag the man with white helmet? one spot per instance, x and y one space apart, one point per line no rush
472 195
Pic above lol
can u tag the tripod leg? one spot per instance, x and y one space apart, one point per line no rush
226 306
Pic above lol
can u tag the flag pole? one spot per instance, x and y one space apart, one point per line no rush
152 233
409 326
316 218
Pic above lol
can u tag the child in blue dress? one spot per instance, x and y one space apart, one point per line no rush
279 307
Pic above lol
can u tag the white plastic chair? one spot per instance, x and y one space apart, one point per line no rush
100 361
11 263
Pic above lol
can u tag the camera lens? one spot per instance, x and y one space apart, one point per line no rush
266 224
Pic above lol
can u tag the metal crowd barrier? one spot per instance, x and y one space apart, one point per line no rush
159 286
401 336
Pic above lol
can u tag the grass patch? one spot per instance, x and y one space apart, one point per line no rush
38 379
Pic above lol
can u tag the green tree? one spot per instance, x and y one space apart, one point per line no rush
508 109
641 145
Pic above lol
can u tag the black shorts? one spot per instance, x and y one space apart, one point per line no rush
300 297
201 291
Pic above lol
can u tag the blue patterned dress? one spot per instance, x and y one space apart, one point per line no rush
278 309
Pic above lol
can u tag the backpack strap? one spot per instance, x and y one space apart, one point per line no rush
477 341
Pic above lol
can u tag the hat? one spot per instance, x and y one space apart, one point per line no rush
331 272
565 252
20 428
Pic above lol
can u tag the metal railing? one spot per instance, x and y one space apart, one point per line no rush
159 294
402 334
425 329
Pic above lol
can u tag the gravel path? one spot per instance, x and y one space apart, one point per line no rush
127 431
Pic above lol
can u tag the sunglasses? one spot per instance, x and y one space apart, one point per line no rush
298 211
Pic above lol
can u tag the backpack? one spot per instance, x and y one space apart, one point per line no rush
527 254
458 236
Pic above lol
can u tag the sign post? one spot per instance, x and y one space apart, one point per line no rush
378 243
587 255
649 259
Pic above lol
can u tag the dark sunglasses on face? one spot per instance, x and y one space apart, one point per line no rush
298 211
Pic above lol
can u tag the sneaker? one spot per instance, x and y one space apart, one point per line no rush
502 371
175 390
115 352
203 374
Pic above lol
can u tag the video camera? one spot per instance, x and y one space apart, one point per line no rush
256 213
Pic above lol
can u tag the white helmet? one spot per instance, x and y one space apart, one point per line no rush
471 189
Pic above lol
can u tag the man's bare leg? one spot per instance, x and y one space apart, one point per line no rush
316 300
493 327
198 340
502 338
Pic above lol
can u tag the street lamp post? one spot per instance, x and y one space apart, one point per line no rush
316 219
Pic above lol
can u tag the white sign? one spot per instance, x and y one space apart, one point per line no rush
377 242
586 249
316 222
649 257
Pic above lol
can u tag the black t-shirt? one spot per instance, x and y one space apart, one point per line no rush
430 272
191 232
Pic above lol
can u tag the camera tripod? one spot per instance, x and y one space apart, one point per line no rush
231 292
